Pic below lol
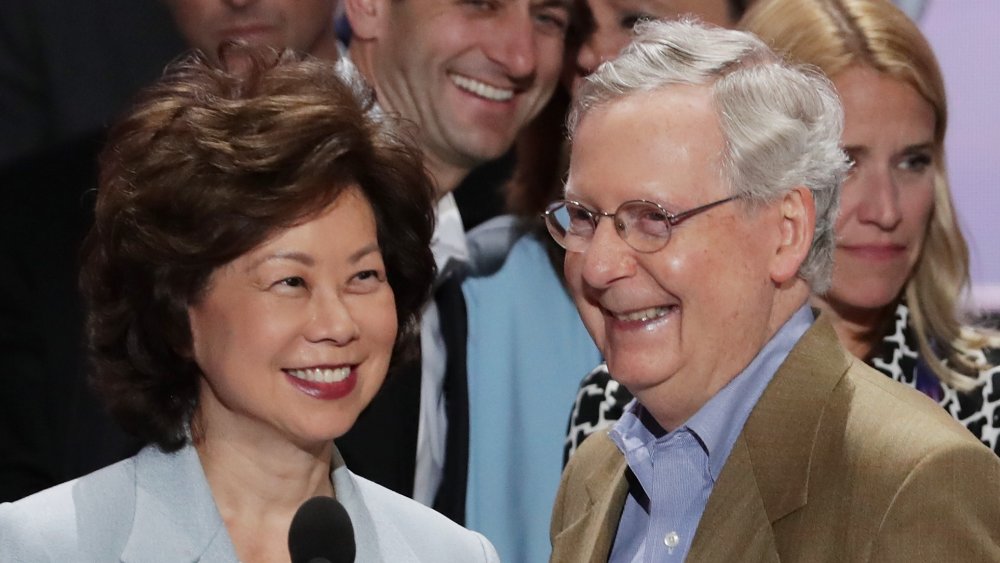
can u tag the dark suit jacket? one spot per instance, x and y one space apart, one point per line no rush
68 66
835 463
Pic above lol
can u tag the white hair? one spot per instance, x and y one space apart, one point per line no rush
782 122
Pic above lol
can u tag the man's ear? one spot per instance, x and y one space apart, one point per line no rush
364 17
797 213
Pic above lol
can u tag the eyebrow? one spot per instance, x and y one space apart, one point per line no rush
564 4
916 147
307 259
920 147
300 257
364 251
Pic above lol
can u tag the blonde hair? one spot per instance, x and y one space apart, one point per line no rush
834 35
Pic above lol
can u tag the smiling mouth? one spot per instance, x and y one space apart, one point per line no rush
321 375
481 89
644 315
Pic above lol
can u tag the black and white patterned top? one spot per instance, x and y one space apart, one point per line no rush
600 400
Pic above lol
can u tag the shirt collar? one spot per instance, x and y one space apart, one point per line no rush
448 244
719 422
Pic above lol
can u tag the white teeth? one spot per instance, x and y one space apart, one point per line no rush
644 315
321 375
481 89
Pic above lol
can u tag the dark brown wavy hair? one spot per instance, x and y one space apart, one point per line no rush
207 165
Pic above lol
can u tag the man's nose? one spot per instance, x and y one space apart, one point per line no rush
598 48
608 257
513 45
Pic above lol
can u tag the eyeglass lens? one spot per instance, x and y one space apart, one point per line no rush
643 225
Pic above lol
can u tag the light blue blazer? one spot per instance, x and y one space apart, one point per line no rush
158 507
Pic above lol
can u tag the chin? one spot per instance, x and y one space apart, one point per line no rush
638 374
862 299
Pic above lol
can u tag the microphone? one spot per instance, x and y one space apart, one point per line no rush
321 532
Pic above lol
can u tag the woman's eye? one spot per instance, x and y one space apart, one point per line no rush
368 280
916 162
292 281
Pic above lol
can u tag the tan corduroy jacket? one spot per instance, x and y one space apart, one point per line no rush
835 463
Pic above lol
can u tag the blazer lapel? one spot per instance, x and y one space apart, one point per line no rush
175 514
734 526
767 474
594 532
376 538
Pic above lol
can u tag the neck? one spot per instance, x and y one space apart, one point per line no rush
258 481
327 46
446 175
857 329
248 477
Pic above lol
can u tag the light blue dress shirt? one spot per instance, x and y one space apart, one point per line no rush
672 475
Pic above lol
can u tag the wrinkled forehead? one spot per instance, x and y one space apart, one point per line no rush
665 146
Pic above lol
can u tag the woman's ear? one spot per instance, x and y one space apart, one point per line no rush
798 223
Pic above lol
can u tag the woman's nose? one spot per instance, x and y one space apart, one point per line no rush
330 320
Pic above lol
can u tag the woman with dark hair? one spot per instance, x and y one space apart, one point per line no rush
260 255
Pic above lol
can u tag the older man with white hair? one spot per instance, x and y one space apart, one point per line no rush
698 218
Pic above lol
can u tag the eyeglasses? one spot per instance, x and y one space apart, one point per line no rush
644 225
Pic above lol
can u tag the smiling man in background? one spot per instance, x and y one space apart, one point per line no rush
469 74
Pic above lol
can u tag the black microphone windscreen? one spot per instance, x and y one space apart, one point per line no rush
321 532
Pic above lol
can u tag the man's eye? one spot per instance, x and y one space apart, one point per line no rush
554 19
629 21
481 5
852 162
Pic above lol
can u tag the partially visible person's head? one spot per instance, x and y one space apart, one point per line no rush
699 118
213 176
306 26
470 75
599 30
898 232
604 27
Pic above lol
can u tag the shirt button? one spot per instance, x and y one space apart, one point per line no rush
671 540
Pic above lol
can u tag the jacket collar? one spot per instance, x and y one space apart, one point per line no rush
767 474
765 478
594 532
377 538
176 518
175 514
